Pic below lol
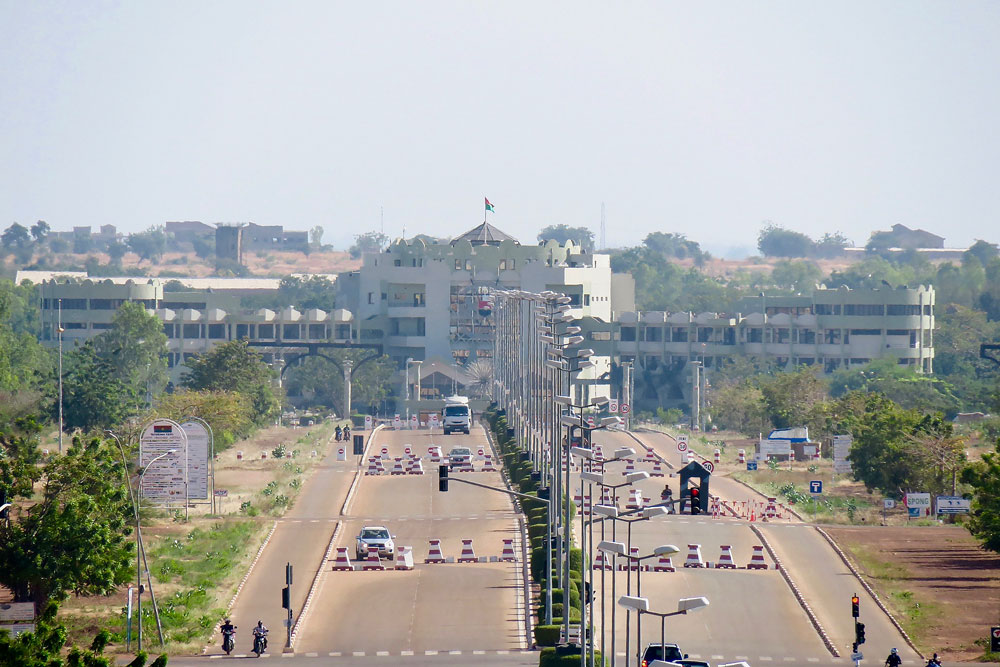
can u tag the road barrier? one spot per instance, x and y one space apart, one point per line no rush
342 563
726 558
468 553
757 561
508 555
434 554
665 564
404 558
694 556
373 562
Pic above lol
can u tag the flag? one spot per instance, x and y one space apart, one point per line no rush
489 206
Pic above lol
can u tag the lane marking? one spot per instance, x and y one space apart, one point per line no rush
383 654
435 652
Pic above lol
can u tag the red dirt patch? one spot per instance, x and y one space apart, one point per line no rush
943 567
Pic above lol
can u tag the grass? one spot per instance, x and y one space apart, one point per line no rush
196 566
914 612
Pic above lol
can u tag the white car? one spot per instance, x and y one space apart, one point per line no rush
459 456
378 537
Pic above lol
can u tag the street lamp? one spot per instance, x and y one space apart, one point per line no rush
641 606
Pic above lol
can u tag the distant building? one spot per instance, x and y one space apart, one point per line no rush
902 236
273 237
229 242
189 231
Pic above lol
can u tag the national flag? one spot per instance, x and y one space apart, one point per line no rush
489 206
163 428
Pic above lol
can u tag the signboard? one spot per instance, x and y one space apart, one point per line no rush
17 628
396 423
624 408
816 487
682 445
613 406
953 505
918 504
709 466
166 479
773 447
809 450
751 466
414 421
368 422
197 459
842 467
17 611
995 639
222 493
888 503
841 450
685 458
434 420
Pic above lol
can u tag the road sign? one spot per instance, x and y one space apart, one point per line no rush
816 487
613 406
368 422
624 408
857 656
888 503
918 504
396 422
707 465
751 466
995 639
953 505
682 445
222 493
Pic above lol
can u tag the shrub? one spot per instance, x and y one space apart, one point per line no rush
574 595
546 635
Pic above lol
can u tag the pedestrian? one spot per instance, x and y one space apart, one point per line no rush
893 660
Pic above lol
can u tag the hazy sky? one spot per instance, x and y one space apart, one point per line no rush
703 118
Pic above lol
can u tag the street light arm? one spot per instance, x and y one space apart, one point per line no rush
497 488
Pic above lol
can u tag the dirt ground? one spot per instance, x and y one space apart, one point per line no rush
954 585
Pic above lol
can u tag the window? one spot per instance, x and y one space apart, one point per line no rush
468 265
628 333
755 335
317 331
897 332
586 299
831 336
600 335
864 309
242 331
169 331
397 262
192 330
897 309
74 325
704 334
806 361
679 334
857 361
290 331
217 331
100 326
653 334
371 297
866 332
458 265
927 309
418 300
807 336
106 304
73 304
503 264
824 309
265 331
181 305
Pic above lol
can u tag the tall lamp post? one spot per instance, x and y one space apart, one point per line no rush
59 331
641 606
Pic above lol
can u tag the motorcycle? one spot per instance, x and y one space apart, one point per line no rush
259 643
347 434
228 641
337 434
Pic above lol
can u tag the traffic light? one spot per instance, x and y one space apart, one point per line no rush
855 602
695 500
859 633
286 598
442 478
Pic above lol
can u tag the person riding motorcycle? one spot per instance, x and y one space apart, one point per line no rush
228 635
893 660
347 433
934 662
261 632
338 433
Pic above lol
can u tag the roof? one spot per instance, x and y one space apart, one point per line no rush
485 234
217 284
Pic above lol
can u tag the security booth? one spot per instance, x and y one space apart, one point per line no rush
694 487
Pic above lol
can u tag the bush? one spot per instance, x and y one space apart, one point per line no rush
548 658
546 635
574 595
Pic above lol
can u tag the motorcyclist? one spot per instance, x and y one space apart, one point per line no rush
261 631
338 433
347 433
228 635
667 497
893 660
934 662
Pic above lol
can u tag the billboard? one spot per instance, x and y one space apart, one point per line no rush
952 505
165 477
198 453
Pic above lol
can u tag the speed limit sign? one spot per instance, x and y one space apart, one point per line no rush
613 406
682 446
707 465
624 408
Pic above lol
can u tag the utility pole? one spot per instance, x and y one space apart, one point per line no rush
59 330
696 395
347 387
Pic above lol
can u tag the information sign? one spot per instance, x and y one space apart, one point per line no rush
918 504
17 611
165 480
197 459
414 421
953 505
995 639
751 466
888 503
709 466
682 445
773 447
816 487
396 422
368 422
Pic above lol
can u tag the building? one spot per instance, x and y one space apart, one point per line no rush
189 231
901 236
273 237
229 242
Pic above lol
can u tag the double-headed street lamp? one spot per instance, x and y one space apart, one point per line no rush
641 606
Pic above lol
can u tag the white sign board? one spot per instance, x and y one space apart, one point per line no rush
613 406
842 446
166 479
396 422
17 611
953 505
773 447
842 467
197 459
17 628
918 504
682 445
414 421
888 503
368 422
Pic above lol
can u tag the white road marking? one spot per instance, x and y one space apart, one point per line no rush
430 652
714 657
383 654
406 652
484 652
765 658
361 654
334 654
809 659
458 652
314 654
503 652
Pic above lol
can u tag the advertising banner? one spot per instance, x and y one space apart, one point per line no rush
165 480
953 505
197 459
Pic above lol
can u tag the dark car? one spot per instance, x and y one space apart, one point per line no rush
656 652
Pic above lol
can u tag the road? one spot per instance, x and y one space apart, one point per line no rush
824 580
433 610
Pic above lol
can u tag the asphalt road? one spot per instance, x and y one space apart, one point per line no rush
825 581
434 610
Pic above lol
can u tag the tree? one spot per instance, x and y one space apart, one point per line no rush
316 237
901 384
831 245
792 398
24 364
983 251
234 367
321 381
136 348
15 236
116 251
796 276
674 245
581 236
739 406
40 230
94 397
74 539
230 414
368 242
776 241
150 244
984 478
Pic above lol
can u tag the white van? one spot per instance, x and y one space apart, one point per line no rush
456 416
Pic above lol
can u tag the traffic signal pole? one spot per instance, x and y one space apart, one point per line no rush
859 630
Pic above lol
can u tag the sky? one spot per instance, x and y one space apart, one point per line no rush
699 118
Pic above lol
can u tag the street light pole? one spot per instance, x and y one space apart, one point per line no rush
59 331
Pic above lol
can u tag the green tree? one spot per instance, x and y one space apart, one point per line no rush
16 236
368 242
24 363
831 245
795 398
776 241
316 237
739 406
94 396
234 367
136 348
230 414
799 276
150 244
321 382
74 539
40 231
116 251
581 236
674 245
902 384
984 478
983 251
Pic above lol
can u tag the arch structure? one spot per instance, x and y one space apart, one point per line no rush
302 350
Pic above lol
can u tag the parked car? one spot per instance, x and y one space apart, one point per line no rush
666 653
375 536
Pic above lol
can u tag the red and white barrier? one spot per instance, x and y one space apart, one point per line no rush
657 469
374 466
408 450
416 467
342 563
373 562
743 457
601 563
650 456
771 512
468 553
435 453
239 455
385 453
726 558
404 558
757 561
434 554
629 466
508 555
665 564
718 457
694 556
397 468
488 465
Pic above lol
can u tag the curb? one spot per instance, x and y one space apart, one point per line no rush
357 474
871 591
798 594
315 585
